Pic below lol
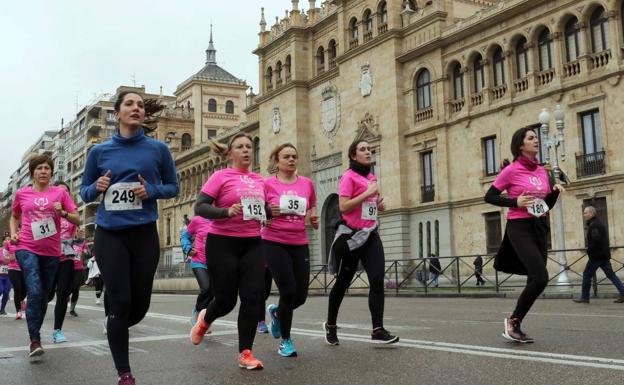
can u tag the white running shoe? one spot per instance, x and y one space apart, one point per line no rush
97 301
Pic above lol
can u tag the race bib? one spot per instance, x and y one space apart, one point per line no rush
4 269
290 204
120 196
253 209
43 228
369 211
538 208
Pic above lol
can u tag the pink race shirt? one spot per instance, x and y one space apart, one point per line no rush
198 228
79 249
67 233
351 185
9 249
230 186
516 179
299 196
41 226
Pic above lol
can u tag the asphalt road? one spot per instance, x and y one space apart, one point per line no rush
443 341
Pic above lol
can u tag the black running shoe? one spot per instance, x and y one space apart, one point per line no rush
35 348
514 333
330 334
382 336
73 312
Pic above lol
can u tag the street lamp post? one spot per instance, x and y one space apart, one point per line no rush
554 143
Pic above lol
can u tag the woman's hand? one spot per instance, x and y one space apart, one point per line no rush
372 188
381 205
275 210
315 221
525 200
140 191
103 182
235 209
559 188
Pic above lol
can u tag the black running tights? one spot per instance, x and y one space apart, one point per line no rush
205 295
372 256
19 288
290 267
127 259
236 268
64 279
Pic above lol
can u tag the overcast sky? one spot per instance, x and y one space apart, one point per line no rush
57 54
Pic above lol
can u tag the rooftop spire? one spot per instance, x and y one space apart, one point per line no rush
263 22
211 52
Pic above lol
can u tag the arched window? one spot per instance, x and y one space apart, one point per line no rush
411 5
269 79
383 13
320 59
545 50
522 58
599 22
572 31
423 90
458 82
229 107
256 152
287 66
331 52
353 29
499 67
368 21
186 142
479 74
212 105
278 71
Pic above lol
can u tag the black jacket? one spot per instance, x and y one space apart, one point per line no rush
597 240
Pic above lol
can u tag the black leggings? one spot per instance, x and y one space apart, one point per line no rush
77 281
290 266
268 282
205 294
127 259
529 243
99 286
64 280
19 288
236 268
371 254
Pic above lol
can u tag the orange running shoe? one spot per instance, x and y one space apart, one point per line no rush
246 360
199 329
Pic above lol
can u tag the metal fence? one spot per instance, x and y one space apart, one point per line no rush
457 274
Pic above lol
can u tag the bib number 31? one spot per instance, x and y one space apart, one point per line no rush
538 208
43 228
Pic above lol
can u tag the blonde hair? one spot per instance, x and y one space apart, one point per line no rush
274 156
223 150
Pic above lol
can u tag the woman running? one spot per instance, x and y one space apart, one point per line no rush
95 278
524 247
64 274
132 171
357 240
80 250
5 282
292 199
233 198
197 229
16 277
39 207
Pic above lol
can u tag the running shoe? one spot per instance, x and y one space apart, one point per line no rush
199 329
580 300
331 337
58 337
276 331
3 312
620 299
73 312
262 327
194 316
97 301
247 361
105 325
19 315
35 348
514 333
126 379
287 348
382 336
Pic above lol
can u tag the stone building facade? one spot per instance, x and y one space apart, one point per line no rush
438 88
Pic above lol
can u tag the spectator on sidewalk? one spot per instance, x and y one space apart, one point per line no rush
599 254
435 269
478 270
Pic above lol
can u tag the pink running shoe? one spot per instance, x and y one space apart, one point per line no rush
247 361
199 329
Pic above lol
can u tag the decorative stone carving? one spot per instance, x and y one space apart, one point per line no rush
368 129
366 81
330 112
277 120
327 162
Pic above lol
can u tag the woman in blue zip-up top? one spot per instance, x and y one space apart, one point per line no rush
131 171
